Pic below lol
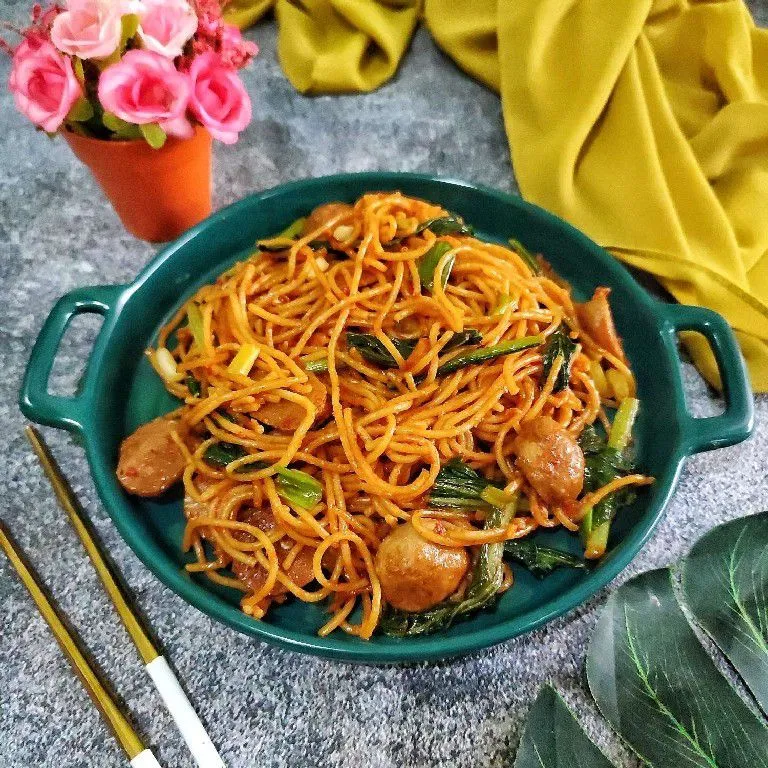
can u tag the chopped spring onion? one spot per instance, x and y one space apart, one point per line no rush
193 385
195 322
525 255
298 488
166 365
505 301
428 264
317 366
244 359
292 231
496 497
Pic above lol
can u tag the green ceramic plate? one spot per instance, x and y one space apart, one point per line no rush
120 392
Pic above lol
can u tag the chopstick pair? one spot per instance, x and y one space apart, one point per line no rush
171 692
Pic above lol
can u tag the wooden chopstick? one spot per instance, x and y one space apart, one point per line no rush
137 754
166 682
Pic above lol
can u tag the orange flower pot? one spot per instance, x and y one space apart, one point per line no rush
157 193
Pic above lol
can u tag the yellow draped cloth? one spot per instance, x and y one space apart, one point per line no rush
642 122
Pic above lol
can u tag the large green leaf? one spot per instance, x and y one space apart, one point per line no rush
656 685
553 739
725 584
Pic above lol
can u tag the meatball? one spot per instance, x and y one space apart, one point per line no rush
550 459
287 416
416 574
596 319
150 460
324 213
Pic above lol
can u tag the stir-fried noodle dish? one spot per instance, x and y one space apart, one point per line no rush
377 411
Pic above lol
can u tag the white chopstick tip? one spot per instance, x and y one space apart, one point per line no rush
185 717
145 759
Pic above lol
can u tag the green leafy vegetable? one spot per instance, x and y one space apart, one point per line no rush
292 231
559 344
553 738
488 353
603 465
452 224
487 576
526 256
222 454
656 685
298 488
372 350
540 561
428 264
591 441
458 486
193 385
317 244
466 338
725 584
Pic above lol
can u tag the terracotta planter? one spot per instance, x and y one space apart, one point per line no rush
157 193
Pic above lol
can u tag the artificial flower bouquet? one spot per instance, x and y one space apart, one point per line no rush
127 69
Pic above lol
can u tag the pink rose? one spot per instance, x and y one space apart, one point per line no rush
218 99
144 87
166 25
89 29
43 84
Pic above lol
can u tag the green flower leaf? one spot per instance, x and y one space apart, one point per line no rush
725 584
81 111
154 135
77 66
656 685
554 739
120 128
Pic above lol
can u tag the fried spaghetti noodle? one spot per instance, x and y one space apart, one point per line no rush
352 359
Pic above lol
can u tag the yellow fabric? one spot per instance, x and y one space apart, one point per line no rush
335 46
642 122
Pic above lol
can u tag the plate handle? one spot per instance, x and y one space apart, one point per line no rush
36 402
735 424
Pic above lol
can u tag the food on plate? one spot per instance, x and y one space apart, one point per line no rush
378 409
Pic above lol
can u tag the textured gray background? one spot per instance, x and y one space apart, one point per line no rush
264 706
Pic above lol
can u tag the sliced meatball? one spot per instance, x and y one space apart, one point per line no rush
416 574
596 319
550 459
300 571
324 213
150 460
287 416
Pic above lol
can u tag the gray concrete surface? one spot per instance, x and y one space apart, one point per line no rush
263 706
